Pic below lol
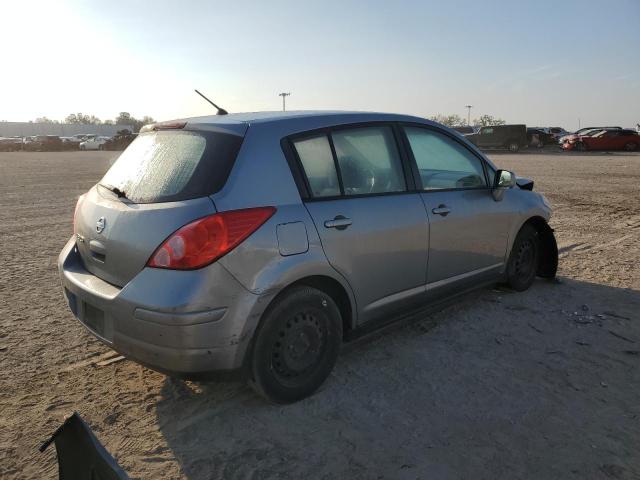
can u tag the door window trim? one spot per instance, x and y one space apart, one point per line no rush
300 177
414 163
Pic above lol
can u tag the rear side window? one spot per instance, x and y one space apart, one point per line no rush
368 160
317 161
173 165
444 163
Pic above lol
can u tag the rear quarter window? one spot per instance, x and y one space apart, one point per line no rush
319 166
173 165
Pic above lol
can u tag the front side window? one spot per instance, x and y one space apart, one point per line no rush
368 160
487 131
319 167
442 162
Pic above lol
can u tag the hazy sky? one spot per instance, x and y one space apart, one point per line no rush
538 62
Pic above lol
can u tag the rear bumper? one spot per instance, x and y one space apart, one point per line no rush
183 323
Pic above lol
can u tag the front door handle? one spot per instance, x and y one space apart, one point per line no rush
441 210
340 222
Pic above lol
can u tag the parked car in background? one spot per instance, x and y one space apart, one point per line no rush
584 131
42 143
81 137
557 132
260 242
610 139
511 137
10 144
96 143
70 143
537 137
120 141
465 130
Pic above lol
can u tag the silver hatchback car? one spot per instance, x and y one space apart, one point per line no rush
260 242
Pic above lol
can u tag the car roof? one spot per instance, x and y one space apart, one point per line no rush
291 116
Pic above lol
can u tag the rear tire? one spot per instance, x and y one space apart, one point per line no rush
631 147
524 259
296 345
513 146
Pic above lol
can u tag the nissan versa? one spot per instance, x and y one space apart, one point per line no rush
260 242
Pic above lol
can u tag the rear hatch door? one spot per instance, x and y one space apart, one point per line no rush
160 183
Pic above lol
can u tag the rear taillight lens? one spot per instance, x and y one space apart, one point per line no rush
75 212
203 241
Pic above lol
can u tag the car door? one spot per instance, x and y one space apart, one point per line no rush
629 140
626 137
373 229
468 229
610 140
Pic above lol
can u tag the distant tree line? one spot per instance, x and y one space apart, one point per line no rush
124 118
457 121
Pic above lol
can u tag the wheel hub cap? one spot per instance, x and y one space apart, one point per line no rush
524 259
299 345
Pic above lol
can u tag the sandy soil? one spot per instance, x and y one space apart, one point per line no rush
542 384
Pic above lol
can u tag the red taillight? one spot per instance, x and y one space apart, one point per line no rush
203 241
75 212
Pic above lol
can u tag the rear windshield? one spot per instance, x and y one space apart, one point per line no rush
172 165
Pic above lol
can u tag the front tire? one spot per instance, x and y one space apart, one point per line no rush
296 345
631 147
524 260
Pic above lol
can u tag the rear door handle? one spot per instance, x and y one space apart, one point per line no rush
442 210
340 222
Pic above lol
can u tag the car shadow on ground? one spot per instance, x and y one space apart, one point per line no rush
540 384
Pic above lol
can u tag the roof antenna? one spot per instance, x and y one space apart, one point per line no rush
221 111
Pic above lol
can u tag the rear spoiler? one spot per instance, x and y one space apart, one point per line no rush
163 126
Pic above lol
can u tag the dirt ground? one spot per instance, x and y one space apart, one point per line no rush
543 384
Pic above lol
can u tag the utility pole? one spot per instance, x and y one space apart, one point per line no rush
284 95
468 107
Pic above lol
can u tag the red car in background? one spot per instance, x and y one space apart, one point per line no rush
614 139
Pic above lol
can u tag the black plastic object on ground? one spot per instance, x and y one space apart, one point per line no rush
81 456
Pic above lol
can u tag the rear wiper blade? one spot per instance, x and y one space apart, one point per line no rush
116 190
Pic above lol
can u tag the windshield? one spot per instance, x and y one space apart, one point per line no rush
164 166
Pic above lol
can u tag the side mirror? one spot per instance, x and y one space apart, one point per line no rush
503 180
